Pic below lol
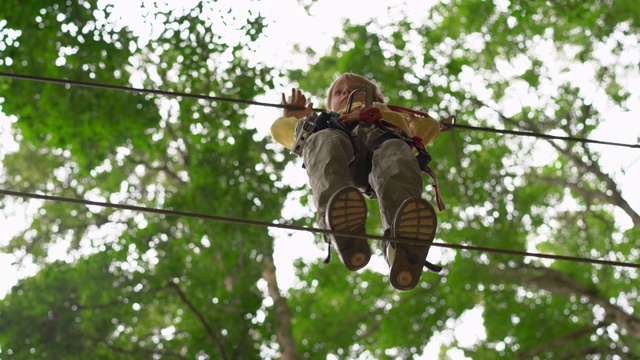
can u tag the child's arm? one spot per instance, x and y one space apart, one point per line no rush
283 129
427 128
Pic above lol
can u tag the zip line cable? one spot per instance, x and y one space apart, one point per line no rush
251 102
312 230
542 136
134 90
293 227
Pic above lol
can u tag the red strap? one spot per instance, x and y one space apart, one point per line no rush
368 115
432 175
401 109
417 142
373 114
443 123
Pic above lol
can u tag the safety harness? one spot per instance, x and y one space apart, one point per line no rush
348 120
373 116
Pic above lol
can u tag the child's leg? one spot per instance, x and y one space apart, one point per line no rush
341 207
395 177
327 155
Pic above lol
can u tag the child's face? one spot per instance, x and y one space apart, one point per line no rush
341 90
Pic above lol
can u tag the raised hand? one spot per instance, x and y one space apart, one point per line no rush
297 99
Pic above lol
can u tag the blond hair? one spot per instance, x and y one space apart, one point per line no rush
377 94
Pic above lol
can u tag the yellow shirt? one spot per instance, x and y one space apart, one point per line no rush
283 129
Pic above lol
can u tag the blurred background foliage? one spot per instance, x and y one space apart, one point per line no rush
140 286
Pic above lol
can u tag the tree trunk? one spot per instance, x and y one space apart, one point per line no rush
283 314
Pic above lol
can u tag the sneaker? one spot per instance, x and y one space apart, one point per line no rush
347 213
415 220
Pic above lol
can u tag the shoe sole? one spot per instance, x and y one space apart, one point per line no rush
347 213
416 220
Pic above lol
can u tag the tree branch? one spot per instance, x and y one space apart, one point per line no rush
164 169
585 193
201 318
150 354
615 198
118 302
558 283
603 352
557 342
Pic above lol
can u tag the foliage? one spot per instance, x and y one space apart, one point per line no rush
495 197
139 285
159 286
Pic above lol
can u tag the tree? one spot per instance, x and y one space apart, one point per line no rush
476 55
136 285
148 286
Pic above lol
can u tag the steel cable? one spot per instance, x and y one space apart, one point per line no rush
250 102
313 230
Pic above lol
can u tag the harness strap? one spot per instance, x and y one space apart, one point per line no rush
423 157
436 189
367 115
444 123
374 116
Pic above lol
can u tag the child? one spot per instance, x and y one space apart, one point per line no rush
372 158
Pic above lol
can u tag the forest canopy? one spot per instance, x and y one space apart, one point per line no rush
138 285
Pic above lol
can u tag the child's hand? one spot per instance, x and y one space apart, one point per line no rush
296 99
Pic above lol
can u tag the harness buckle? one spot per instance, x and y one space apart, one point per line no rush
304 128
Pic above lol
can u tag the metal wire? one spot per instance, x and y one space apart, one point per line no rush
249 102
313 230
539 135
293 227
140 90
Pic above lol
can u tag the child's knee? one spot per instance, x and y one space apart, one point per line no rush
329 141
394 148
